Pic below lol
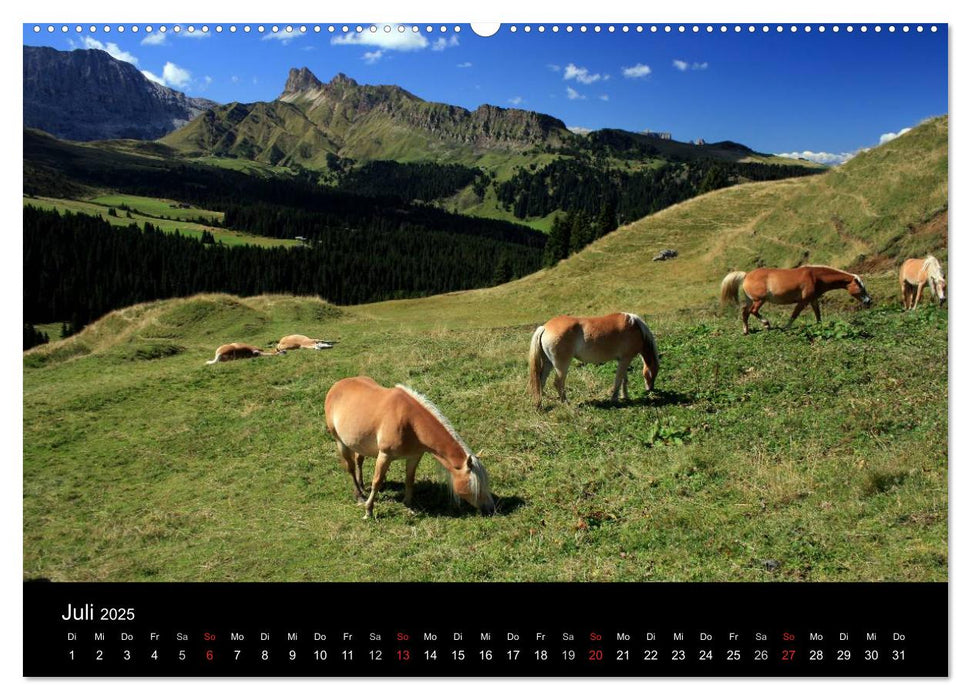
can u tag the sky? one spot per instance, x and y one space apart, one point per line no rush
820 95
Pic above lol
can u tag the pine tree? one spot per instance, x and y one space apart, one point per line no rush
606 220
580 233
33 337
558 241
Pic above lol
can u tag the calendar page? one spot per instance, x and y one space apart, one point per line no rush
449 349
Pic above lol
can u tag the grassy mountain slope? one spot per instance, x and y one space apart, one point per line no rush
362 122
385 122
879 208
780 456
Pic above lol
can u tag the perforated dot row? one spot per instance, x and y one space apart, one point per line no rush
232 28
666 28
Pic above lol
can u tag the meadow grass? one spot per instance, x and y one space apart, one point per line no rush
157 208
817 453
147 209
820 448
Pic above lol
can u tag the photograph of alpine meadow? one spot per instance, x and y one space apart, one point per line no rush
407 303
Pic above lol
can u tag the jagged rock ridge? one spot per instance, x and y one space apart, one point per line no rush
345 118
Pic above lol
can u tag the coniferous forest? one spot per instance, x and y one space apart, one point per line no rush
79 267
584 185
374 233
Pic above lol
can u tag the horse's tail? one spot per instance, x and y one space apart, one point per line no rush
537 361
214 360
652 358
730 285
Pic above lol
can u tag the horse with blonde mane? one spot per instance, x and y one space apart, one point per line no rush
915 274
369 420
801 286
594 340
296 342
239 351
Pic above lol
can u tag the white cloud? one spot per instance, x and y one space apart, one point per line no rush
581 75
235 79
391 41
684 65
283 36
112 49
827 158
154 78
639 70
821 157
195 35
884 138
175 76
464 65
572 94
517 100
582 130
154 39
553 67
372 56
605 98
441 43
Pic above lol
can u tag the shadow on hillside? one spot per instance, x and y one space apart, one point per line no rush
658 397
432 498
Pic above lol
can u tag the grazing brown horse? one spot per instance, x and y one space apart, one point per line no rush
594 340
801 286
239 351
915 274
295 342
369 420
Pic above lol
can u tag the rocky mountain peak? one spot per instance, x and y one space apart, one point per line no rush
301 80
341 79
84 95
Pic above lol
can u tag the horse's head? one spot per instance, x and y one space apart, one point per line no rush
470 482
858 291
939 286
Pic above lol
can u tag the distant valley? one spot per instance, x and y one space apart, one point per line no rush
345 176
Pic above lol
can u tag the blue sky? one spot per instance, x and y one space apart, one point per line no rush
829 93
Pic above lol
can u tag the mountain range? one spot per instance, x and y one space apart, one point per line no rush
86 95
312 119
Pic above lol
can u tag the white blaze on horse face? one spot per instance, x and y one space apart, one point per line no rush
861 294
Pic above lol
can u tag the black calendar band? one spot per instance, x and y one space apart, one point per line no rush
486 629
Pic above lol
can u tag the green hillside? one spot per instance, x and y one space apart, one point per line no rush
867 215
130 209
778 456
332 128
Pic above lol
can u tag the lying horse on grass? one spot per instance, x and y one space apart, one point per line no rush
915 274
369 420
801 286
593 340
296 342
239 351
